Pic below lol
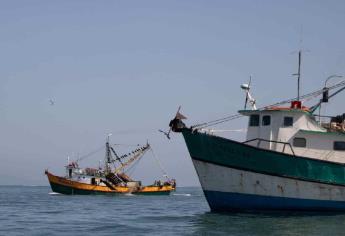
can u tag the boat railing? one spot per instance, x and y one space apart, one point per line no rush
260 140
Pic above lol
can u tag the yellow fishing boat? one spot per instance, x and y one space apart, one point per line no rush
109 179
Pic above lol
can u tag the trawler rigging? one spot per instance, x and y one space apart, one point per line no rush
112 178
308 96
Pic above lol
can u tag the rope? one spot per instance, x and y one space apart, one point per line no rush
215 122
90 154
127 145
159 163
131 169
233 117
223 130
312 94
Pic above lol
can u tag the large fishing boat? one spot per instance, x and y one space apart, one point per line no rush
293 157
109 179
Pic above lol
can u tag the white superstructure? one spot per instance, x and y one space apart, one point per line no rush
295 130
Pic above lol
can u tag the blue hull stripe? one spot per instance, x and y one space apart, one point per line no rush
224 201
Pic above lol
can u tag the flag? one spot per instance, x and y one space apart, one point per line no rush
179 116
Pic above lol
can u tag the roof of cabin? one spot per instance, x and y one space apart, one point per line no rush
275 109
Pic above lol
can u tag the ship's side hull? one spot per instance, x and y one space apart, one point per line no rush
238 177
229 189
70 190
70 187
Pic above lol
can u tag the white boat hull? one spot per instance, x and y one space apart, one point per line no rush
228 188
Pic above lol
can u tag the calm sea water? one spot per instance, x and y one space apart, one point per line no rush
37 211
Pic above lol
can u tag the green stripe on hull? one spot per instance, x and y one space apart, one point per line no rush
74 191
230 153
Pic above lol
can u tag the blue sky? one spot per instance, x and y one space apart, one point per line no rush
125 66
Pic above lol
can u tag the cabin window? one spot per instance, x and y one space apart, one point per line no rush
299 142
288 121
254 120
339 146
266 120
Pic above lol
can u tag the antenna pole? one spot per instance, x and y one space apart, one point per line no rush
107 156
247 92
299 73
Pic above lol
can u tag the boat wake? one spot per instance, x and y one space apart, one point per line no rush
182 194
54 193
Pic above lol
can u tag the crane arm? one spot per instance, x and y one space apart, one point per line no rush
132 159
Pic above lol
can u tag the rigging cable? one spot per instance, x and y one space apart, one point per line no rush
132 168
236 116
125 144
159 164
90 154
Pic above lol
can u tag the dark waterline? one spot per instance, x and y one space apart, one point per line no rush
36 211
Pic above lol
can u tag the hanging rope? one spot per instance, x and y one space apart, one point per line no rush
159 163
233 117
132 168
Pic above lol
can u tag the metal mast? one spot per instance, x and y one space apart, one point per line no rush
299 73
107 156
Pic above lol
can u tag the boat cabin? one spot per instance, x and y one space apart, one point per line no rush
296 131
87 175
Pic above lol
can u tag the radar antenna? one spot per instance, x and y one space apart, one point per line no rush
249 97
